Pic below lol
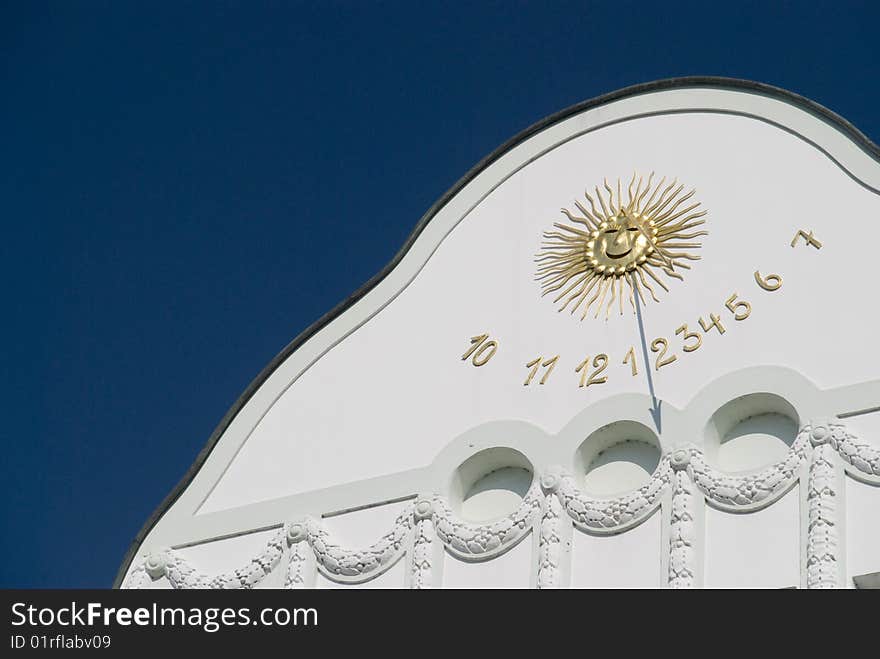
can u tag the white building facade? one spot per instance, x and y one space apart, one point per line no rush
632 348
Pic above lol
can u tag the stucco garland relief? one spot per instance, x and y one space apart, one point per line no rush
860 458
749 491
308 546
550 537
421 568
614 514
682 525
467 540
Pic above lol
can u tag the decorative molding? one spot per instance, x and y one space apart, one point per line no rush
822 545
856 453
138 579
300 564
749 491
182 575
682 526
616 514
421 569
307 546
468 540
550 543
342 564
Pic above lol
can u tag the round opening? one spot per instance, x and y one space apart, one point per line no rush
617 458
490 484
750 432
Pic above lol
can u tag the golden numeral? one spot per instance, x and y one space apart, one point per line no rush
534 366
479 345
689 335
583 370
808 237
631 355
655 347
600 363
765 282
551 363
535 363
594 378
716 322
733 306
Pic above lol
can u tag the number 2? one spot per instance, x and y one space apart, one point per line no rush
594 378
656 347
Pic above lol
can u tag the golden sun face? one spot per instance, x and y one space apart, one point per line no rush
622 248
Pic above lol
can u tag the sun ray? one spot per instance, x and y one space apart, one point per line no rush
583 296
684 223
583 277
605 211
613 297
569 270
585 286
596 212
563 268
629 192
647 268
661 207
577 232
686 236
666 219
599 288
610 198
681 245
575 218
606 284
653 206
659 219
653 194
559 283
646 284
644 192
632 302
560 265
594 222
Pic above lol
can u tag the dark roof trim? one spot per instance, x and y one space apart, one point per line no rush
802 102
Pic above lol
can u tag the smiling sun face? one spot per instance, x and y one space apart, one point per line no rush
622 243
619 245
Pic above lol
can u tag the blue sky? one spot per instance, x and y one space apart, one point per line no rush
187 186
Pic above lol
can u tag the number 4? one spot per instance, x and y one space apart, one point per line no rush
716 322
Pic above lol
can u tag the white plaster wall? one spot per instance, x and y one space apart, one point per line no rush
621 468
363 527
758 441
398 381
496 494
512 569
629 560
862 528
754 550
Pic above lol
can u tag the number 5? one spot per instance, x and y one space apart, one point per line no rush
733 306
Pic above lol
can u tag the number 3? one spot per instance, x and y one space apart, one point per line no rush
689 335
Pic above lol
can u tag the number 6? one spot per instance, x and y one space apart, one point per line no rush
764 282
